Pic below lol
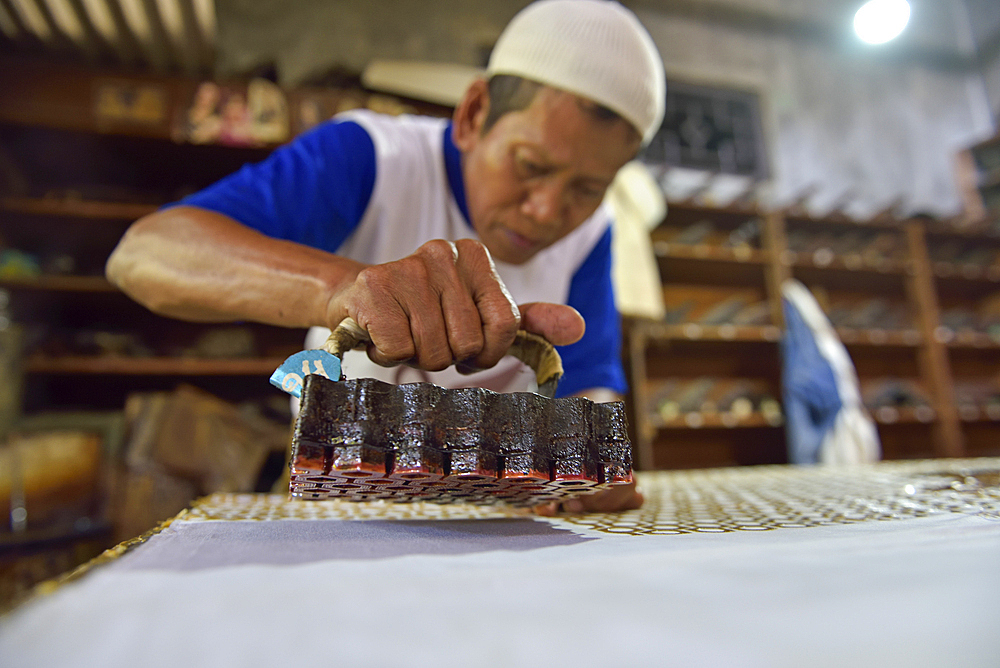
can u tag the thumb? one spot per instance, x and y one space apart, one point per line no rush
561 325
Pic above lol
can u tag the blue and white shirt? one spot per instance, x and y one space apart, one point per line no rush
374 188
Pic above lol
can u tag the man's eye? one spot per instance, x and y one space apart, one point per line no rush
529 168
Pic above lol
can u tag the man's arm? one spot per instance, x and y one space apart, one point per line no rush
195 264
443 304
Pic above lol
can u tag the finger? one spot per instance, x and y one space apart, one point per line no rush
498 313
391 342
430 338
377 310
561 325
613 499
547 509
462 321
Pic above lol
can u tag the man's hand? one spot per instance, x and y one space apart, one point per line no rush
445 304
613 499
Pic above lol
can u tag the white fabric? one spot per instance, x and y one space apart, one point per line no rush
593 48
411 184
854 437
637 205
911 593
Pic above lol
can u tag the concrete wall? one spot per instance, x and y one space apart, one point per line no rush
842 121
984 23
838 121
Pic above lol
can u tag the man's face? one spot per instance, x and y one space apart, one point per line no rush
539 173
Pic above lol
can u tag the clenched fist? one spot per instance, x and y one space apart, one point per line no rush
445 304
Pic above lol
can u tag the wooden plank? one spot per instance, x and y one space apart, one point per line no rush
777 270
695 332
697 420
932 354
644 432
39 93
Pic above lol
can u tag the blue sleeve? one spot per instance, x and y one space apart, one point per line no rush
313 190
595 360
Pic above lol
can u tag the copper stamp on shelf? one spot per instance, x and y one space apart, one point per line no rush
364 439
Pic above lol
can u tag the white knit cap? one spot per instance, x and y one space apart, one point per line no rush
596 49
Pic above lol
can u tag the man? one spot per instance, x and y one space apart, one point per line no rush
440 239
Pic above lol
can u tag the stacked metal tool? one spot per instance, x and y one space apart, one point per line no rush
364 439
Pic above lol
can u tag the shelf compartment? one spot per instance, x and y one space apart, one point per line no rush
160 366
676 269
893 401
852 280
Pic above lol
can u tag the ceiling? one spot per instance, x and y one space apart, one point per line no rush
181 35
164 35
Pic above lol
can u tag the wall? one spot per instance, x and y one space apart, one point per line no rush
837 119
984 21
842 120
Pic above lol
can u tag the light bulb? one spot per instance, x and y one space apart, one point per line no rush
878 21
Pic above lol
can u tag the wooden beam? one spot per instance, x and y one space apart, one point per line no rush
933 355
643 433
777 270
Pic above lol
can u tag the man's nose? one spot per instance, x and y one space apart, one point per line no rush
544 202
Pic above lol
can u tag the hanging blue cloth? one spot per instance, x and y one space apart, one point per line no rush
826 421
809 390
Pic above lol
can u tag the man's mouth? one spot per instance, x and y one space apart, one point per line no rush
520 241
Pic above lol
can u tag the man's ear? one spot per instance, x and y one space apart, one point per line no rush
470 115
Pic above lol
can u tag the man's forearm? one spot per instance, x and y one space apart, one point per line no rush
195 264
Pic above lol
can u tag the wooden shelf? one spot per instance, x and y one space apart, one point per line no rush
154 366
75 208
967 272
60 284
907 338
889 415
879 224
714 421
692 331
687 208
989 413
980 230
851 263
966 339
743 255
687 351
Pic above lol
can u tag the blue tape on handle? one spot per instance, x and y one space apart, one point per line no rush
292 372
